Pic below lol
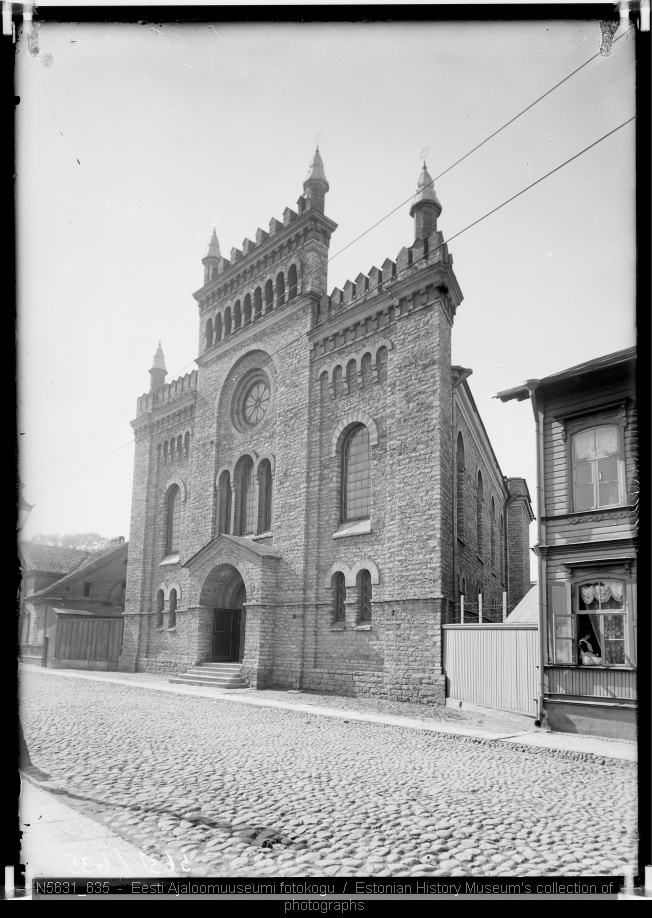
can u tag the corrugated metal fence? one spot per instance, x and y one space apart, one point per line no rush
491 664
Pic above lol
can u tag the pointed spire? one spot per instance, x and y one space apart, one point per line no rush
213 247
425 206
159 359
316 170
158 370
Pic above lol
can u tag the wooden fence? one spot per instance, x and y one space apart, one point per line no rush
88 639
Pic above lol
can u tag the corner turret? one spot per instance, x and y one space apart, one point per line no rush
158 370
212 258
316 184
425 207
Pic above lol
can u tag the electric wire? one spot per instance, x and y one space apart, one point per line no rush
393 281
368 230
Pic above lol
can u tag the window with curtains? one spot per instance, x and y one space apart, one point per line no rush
598 468
594 623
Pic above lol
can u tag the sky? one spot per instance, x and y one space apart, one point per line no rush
134 140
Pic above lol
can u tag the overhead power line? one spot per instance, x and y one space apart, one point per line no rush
388 285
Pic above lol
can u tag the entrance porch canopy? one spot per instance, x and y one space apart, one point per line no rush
255 562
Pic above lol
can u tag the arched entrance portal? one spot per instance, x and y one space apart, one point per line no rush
224 592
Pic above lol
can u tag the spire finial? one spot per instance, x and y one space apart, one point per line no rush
425 205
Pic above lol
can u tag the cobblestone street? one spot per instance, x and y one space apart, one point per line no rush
229 789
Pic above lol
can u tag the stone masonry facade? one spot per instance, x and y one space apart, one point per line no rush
323 477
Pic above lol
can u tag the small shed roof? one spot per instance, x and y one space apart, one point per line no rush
527 610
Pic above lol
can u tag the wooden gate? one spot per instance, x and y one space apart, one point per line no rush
88 639
493 664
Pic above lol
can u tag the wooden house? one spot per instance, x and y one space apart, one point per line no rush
80 616
586 435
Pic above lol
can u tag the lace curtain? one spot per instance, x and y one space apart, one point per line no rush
596 444
603 591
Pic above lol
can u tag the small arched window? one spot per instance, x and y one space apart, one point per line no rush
165 451
218 328
247 308
460 464
179 447
209 333
258 302
224 509
237 315
493 534
264 496
227 321
339 597
160 602
269 296
173 523
172 615
501 549
381 364
480 504
173 449
356 475
280 289
246 522
159 451
364 596
292 282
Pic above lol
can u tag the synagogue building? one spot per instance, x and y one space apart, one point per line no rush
319 496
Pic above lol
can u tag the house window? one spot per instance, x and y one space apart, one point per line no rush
364 596
356 475
173 522
339 597
88 588
598 468
598 628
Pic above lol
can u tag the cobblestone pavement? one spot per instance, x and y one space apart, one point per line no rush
226 789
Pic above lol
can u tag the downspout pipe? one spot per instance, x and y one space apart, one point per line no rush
532 387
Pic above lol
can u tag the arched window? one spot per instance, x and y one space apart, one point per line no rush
351 376
461 471
186 445
356 475
159 451
280 289
479 506
237 315
160 602
224 511
218 328
269 296
264 496
246 522
339 597
381 364
258 302
227 321
364 596
501 549
247 308
172 449
172 615
292 282
173 523
493 534
165 451
179 447
209 333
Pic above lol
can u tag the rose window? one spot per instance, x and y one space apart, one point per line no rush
256 403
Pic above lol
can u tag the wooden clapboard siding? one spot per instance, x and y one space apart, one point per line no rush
88 639
493 665
587 681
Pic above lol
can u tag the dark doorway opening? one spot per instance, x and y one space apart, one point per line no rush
227 630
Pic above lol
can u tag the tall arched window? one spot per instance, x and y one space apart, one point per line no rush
224 511
179 447
209 333
159 452
246 522
186 445
461 471
364 596
227 321
356 475
165 451
173 527
479 506
292 282
493 534
172 615
247 308
339 597
173 449
269 296
258 302
264 496
160 602
501 549
237 315
218 328
280 289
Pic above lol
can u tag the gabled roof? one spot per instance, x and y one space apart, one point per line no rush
520 393
255 550
91 563
49 559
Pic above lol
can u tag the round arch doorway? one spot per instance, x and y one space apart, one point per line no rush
227 643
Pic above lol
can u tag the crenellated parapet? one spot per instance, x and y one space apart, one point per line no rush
168 393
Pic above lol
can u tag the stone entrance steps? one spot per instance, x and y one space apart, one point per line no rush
217 675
